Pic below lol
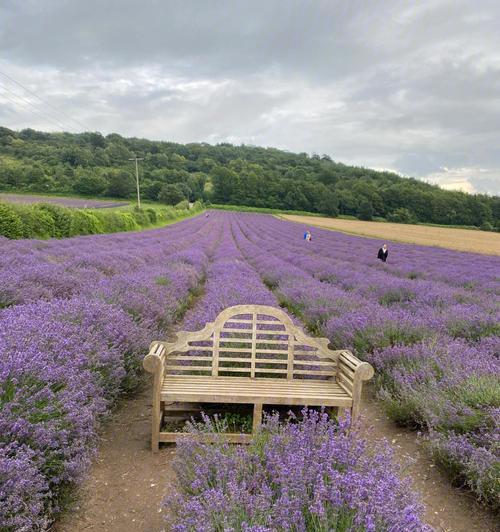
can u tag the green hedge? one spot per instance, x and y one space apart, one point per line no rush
45 220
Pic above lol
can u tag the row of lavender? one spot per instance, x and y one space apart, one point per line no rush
427 319
313 475
77 317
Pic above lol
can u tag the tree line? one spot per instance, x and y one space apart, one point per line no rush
91 164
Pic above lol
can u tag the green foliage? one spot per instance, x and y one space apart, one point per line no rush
401 216
153 218
170 195
487 226
45 226
365 211
84 223
90 184
45 220
184 204
61 216
120 184
11 225
91 164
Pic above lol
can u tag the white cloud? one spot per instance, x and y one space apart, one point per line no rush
472 180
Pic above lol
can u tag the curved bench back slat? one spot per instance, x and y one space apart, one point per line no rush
251 341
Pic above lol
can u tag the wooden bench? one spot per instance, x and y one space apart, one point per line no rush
252 354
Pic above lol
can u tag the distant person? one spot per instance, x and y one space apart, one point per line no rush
307 236
383 252
207 215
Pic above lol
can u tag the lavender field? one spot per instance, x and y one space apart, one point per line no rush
77 316
81 203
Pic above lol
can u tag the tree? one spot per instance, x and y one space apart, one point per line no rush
120 184
365 211
401 216
348 204
225 182
170 194
328 203
244 175
295 200
151 190
76 156
90 184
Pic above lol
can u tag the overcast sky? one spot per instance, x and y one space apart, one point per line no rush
408 86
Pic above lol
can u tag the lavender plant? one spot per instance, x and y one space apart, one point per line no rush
312 475
78 316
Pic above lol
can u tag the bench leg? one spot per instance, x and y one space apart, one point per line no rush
257 417
355 412
156 426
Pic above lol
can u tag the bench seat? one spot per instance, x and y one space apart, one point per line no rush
247 390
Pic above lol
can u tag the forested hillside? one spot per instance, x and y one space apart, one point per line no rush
94 165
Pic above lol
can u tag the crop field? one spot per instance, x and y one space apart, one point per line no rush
81 203
451 238
78 314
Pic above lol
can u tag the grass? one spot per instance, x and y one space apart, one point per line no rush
448 237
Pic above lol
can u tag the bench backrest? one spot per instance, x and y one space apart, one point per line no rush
251 341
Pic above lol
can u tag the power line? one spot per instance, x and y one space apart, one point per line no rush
81 124
42 113
34 110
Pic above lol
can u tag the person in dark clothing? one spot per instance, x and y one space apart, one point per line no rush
383 252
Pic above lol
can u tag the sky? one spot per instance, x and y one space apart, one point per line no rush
412 87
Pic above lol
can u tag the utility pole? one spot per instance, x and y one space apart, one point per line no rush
137 178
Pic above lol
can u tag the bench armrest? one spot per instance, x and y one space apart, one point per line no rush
153 361
351 373
353 368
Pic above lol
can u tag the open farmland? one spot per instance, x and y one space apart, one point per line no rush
450 238
81 203
79 313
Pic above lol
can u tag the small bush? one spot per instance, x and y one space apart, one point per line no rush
182 205
487 226
61 216
401 216
309 475
11 225
45 224
84 223
141 217
153 218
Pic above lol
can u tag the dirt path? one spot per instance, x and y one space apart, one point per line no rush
128 482
448 509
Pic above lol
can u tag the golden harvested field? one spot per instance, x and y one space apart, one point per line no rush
459 239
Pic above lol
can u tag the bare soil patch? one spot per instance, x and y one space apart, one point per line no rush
483 242
127 482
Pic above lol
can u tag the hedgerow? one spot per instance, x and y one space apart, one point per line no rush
44 220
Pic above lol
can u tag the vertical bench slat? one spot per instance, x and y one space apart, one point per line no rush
215 354
291 346
254 344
